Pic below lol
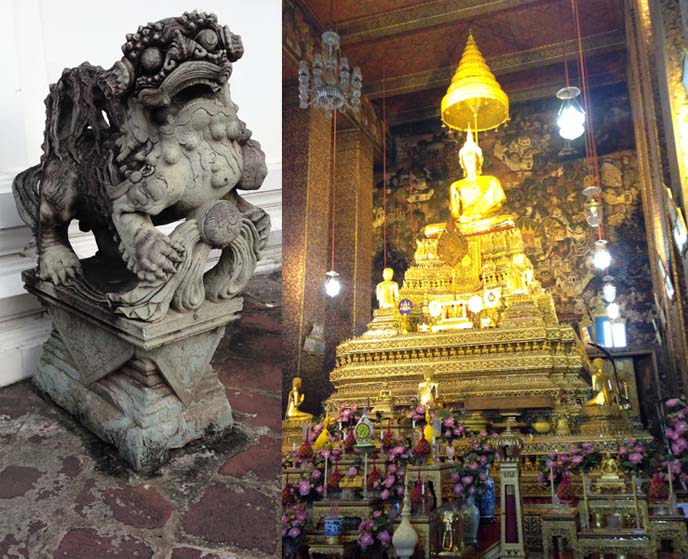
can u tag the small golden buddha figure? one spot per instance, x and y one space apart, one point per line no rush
610 467
427 390
602 384
385 400
475 199
295 400
387 291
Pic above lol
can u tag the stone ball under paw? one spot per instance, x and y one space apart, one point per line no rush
255 170
220 223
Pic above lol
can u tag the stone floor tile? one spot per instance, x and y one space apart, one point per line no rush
261 322
233 372
139 507
258 459
261 410
16 481
242 518
86 543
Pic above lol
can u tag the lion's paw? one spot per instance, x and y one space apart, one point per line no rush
157 256
58 264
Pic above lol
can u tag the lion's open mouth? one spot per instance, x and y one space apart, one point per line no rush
195 89
192 80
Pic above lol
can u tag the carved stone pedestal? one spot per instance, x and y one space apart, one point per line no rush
143 387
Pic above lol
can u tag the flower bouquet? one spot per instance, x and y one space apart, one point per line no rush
375 532
293 522
635 457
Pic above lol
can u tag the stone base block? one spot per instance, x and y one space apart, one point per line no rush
144 388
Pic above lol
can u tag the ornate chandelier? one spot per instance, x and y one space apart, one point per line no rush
334 85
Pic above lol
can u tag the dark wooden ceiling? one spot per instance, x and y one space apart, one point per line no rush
409 49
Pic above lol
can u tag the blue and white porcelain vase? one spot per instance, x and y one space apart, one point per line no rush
486 501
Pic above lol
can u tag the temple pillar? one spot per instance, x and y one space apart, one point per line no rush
307 147
348 314
656 144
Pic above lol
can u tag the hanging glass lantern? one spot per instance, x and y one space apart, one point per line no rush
613 311
332 284
609 290
601 257
571 116
593 207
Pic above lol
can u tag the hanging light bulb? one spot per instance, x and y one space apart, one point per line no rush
613 311
609 290
593 207
332 284
571 116
601 257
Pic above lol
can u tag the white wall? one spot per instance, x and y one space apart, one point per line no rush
39 39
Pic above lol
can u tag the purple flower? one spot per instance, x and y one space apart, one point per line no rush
389 481
304 487
449 422
671 403
482 476
458 489
458 430
294 532
284 532
576 460
377 514
455 476
473 466
319 489
366 540
352 471
540 478
384 537
677 448
467 480
448 433
471 490
400 491
385 494
623 450
635 457
392 469
317 474
551 464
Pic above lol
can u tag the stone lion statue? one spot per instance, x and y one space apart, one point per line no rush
152 140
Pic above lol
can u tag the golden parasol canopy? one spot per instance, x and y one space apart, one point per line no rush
474 97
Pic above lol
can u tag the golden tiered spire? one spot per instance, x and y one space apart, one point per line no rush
474 97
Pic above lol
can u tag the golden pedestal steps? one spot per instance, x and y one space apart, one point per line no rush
485 328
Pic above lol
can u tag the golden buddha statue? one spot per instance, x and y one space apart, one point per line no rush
610 467
427 390
475 199
385 400
295 400
387 291
603 385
